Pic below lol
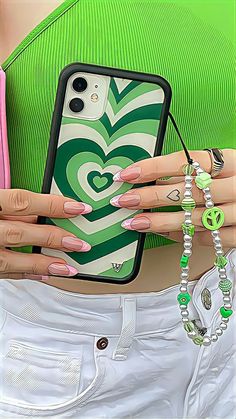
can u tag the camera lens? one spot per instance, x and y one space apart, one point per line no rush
76 105
80 84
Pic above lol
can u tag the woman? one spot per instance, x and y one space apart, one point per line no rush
62 348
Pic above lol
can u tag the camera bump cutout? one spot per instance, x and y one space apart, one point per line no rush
86 96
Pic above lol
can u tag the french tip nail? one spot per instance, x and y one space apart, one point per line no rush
115 200
127 224
87 209
117 177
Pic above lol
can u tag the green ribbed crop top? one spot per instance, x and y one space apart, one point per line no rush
191 44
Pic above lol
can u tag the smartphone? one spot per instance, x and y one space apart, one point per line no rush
104 120
4 155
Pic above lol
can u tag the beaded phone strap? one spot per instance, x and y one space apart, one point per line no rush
212 219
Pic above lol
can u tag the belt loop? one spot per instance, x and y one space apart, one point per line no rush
128 306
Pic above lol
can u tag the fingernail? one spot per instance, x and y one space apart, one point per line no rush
77 208
131 173
140 223
62 269
72 243
126 200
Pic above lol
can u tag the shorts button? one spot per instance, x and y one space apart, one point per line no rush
102 343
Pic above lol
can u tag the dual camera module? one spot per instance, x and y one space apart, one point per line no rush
79 85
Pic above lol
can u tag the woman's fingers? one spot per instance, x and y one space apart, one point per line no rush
171 165
158 222
17 234
31 219
204 238
163 195
19 202
35 264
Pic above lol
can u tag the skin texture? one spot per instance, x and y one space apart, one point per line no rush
19 212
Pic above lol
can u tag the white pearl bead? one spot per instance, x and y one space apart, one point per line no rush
196 165
188 222
219 331
207 196
183 289
206 341
185 319
184 275
187 252
182 307
223 326
186 269
218 246
228 306
225 320
209 204
188 214
188 186
187 238
217 239
184 313
223 276
226 299
219 252
226 292
187 194
214 338
222 270
206 190
188 178
188 245
215 233
199 171
184 282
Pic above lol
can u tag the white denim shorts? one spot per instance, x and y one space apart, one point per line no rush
66 355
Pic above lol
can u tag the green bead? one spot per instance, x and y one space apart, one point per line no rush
213 218
198 340
225 285
188 169
225 313
184 298
203 180
189 327
190 230
184 261
188 204
221 261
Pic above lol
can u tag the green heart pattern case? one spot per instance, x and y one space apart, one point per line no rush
87 154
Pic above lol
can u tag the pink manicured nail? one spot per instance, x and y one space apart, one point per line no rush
139 223
131 173
125 200
75 208
72 243
62 269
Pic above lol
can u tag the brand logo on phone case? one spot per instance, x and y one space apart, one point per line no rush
117 266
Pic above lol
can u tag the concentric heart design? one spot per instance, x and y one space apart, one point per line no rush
84 169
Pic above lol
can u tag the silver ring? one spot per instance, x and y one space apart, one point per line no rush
217 160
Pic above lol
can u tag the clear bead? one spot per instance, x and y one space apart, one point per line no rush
185 320
187 238
223 326
199 171
188 178
218 246
182 307
183 289
184 282
226 299
188 222
184 275
188 186
228 306
184 313
192 334
226 292
196 165
186 269
223 276
207 196
206 190
217 239
214 338
222 270
219 252
188 214
215 233
209 204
